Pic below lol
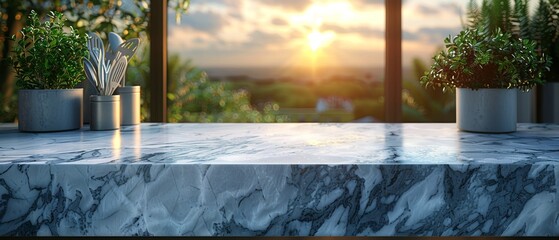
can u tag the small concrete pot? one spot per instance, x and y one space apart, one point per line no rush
486 110
129 105
50 110
105 112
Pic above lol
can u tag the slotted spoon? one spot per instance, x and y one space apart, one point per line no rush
116 73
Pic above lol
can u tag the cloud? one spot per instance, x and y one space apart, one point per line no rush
446 7
259 39
431 35
279 22
455 8
268 32
204 21
369 2
298 5
361 30
427 10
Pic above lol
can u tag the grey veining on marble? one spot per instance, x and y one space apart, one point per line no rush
280 180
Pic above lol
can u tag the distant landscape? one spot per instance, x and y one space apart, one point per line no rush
298 94
366 74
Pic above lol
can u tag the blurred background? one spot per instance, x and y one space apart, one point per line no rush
265 60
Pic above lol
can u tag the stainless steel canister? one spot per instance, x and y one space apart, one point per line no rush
105 112
129 104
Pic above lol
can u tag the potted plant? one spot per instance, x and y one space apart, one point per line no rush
486 70
542 26
48 64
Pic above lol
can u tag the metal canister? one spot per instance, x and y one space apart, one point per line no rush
105 112
129 104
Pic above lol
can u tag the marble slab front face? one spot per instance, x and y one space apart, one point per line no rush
281 180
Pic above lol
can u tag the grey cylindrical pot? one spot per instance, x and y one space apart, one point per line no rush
88 90
50 110
486 110
129 105
105 112
526 106
549 104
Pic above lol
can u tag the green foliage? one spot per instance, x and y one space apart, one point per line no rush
476 60
47 57
193 97
542 26
426 104
493 15
8 111
367 107
473 15
287 94
520 20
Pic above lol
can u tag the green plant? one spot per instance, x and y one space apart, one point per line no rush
542 25
48 57
544 29
474 60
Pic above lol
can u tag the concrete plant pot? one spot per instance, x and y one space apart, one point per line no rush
486 110
526 111
50 110
549 103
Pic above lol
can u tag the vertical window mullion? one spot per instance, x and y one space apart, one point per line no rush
393 62
158 61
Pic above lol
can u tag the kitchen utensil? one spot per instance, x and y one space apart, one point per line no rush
90 73
116 73
114 41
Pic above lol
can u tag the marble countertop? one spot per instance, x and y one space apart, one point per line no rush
149 143
280 180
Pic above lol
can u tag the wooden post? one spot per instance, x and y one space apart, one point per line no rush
158 60
393 62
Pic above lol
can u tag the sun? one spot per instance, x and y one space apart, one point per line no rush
318 40
315 40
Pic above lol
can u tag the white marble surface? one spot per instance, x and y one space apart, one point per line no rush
282 144
280 180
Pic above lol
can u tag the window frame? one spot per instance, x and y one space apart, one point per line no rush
393 61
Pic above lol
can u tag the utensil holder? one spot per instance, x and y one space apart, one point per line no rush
129 105
105 112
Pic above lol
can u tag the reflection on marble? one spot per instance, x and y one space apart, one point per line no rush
280 180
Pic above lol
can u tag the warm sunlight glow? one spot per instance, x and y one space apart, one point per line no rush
318 40
117 145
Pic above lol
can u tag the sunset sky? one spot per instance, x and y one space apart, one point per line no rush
248 33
